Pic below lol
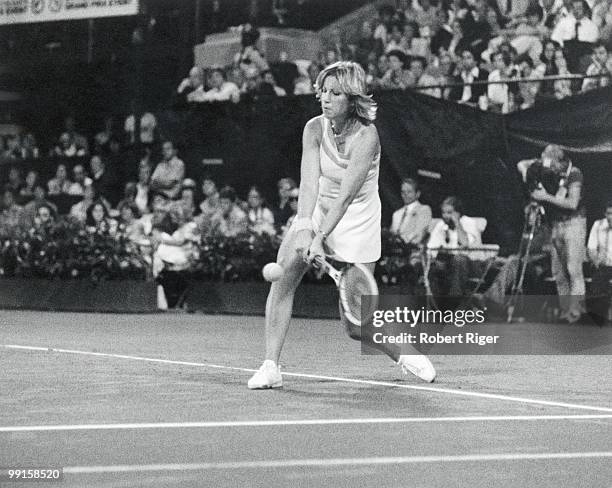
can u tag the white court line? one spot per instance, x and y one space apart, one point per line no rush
322 463
491 396
278 423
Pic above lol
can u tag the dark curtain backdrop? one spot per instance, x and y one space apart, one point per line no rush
450 148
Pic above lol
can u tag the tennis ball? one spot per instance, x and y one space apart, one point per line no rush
272 271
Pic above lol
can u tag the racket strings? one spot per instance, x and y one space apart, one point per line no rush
355 284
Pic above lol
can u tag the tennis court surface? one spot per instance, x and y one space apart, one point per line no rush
161 401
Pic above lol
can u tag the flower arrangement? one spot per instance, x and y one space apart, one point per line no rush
66 250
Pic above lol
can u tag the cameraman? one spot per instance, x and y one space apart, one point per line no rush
566 215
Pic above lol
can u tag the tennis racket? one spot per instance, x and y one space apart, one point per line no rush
354 281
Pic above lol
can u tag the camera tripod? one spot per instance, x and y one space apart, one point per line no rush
533 220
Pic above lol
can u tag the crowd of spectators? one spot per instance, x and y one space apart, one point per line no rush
485 53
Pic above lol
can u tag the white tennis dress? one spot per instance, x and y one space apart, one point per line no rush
356 238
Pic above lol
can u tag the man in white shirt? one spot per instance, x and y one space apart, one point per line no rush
169 173
599 250
220 91
192 84
498 94
599 66
410 223
454 232
79 181
576 26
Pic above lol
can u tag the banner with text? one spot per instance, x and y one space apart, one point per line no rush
27 11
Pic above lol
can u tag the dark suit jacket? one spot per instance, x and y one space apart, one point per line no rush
477 90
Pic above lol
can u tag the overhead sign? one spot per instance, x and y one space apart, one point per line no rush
27 11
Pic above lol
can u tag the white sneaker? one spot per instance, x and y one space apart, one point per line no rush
419 365
268 376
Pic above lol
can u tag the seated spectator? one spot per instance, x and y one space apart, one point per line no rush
129 194
442 33
12 216
158 206
576 33
444 73
229 220
250 88
210 205
169 173
79 210
528 91
142 186
547 67
477 27
451 270
67 147
261 219
411 222
400 39
39 199
396 77
130 226
469 72
599 249
15 181
45 217
187 199
190 87
104 179
576 26
268 79
528 33
417 71
12 153
293 204
79 140
79 180
282 210
499 95
220 89
26 193
600 66
458 42
98 221
60 184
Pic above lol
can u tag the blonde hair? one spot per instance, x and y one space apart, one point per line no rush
352 80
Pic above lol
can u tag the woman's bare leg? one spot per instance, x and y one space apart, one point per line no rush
279 305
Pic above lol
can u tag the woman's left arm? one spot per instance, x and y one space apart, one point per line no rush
363 151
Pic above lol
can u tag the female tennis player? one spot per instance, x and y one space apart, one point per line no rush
338 206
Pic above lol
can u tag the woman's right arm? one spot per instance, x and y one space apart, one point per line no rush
309 183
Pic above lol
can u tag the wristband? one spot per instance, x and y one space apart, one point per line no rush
303 223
